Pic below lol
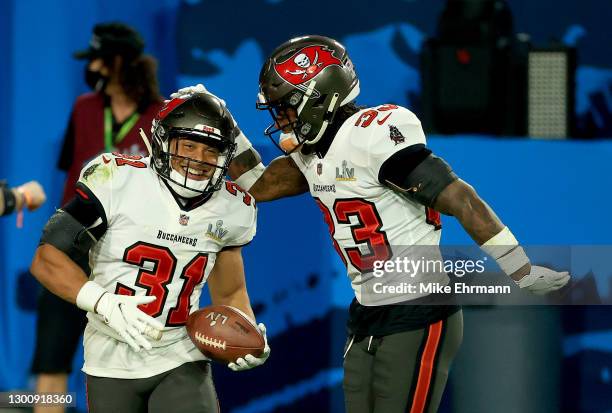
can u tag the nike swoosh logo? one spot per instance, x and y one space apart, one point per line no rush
105 159
380 122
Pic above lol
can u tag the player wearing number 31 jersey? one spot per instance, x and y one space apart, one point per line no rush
166 252
135 247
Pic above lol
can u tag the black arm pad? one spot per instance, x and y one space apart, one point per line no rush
422 182
69 236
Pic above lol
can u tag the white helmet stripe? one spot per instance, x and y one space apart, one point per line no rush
352 95
306 96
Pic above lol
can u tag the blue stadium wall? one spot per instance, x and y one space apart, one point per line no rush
549 192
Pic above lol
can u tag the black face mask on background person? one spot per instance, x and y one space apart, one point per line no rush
95 80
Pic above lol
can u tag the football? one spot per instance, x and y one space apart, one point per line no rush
224 333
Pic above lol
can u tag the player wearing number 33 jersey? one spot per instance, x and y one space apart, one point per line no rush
380 190
367 219
134 248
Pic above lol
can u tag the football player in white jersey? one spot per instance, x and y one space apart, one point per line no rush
135 247
379 188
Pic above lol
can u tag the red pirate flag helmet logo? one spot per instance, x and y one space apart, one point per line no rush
306 63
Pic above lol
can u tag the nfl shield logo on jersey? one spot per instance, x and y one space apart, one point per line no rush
184 219
319 168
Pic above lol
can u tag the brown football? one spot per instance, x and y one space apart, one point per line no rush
224 333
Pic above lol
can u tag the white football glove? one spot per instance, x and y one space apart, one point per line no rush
249 361
190 90
542 280
121 313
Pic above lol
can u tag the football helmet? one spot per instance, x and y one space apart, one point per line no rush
200 117
314 76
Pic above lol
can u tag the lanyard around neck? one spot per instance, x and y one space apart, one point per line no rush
109 143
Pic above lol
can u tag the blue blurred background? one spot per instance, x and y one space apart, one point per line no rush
547 191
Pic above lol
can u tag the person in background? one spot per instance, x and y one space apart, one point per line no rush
30 195
125 97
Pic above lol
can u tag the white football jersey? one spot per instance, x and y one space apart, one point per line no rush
369 221
153 247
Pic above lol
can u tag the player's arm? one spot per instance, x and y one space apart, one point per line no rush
243 163
430 181
61 264
460 200
49 261
246 166
226 284
61 260
281 178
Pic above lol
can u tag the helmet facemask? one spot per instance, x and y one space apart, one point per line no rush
280 111
192 169
190 177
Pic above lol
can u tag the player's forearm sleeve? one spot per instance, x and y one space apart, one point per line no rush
248 178
505 249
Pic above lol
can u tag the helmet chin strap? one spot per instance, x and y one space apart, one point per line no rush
330 109
306 96
146 141
349 98
181 190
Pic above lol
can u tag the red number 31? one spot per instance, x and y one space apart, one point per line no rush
156 280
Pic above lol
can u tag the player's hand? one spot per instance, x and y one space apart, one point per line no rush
542 280
288 142
33 195
121 313
249 361
190 90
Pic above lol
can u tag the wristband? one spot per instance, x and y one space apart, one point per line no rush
505 249
247 179
89 295
242 144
